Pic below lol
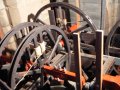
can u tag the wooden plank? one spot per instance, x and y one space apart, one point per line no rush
77 58
108 65
99 59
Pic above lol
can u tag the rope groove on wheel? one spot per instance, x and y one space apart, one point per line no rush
32 37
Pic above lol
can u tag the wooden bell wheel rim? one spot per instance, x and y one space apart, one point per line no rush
87 26
112 45
32 37
70 7
15 30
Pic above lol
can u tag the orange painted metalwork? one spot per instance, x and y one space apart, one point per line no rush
62 74
111 82
73 27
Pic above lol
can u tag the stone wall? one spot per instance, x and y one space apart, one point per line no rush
4 20
13 12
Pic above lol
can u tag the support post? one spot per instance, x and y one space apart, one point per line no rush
52 17
52 21
99 59
77 58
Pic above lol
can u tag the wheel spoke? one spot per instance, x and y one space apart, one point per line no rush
26 43
54 48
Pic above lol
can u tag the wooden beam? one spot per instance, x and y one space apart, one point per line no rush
77 58
99 59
